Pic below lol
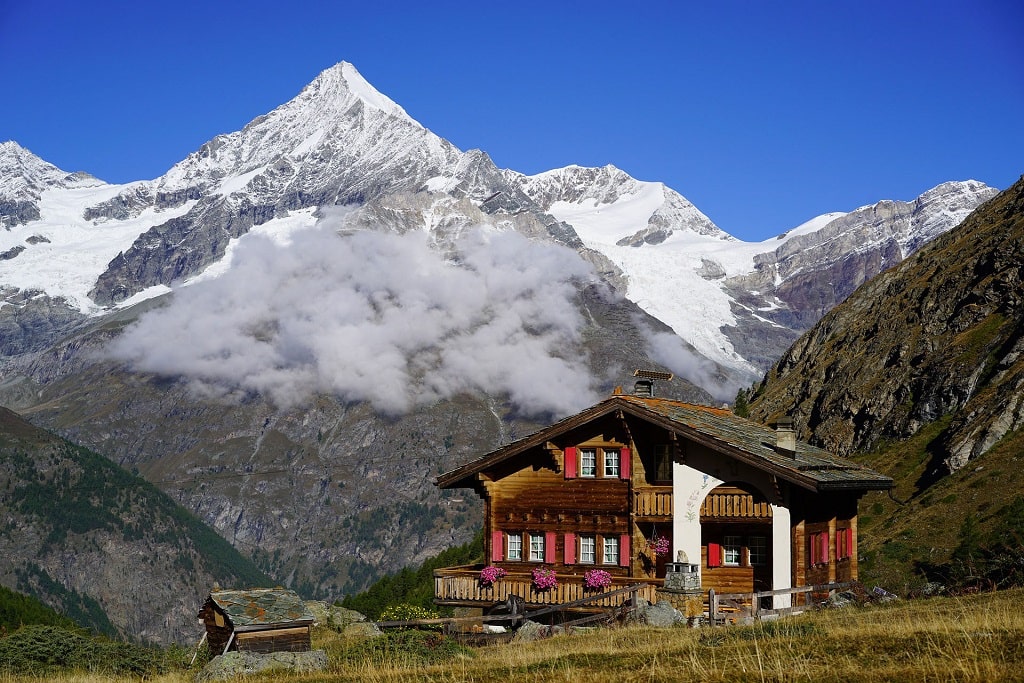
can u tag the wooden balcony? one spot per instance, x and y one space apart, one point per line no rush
739 505
652 503
460 586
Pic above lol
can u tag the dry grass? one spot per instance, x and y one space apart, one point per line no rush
978 638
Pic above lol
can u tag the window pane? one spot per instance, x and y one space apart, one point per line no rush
611 463
536 547
758 551
588 462
515 547
663 462
731 549
611 550
587 548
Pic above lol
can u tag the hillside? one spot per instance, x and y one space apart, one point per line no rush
920 375
115 554
939 336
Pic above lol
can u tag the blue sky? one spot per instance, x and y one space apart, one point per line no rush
762 114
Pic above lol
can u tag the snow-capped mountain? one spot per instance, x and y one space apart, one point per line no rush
740 303
340 141
23 179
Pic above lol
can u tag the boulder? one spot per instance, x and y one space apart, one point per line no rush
341 620
227 666
531 631
661 614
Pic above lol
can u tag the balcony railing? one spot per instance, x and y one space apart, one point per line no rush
461 586
652 501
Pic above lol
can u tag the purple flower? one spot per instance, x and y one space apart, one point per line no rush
596 579
490 574
544 579
659 546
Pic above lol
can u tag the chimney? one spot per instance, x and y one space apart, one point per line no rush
645 385
785 436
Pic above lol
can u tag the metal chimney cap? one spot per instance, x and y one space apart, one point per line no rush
653 374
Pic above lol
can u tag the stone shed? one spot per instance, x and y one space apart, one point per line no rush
256 620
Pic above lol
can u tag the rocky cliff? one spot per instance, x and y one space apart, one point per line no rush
939 336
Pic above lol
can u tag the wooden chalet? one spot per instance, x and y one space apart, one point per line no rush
256 620
747 507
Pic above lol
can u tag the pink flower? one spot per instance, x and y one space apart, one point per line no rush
659 546
490 574
543 579
596 579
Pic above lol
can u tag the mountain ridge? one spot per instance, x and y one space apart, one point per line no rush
938 335
340 141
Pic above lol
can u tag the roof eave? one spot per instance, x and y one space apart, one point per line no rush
859 485
462 477
276 625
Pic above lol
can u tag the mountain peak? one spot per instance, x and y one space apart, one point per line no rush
343 80
23 175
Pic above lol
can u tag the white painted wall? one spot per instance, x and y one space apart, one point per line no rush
782 555
691 483
689 488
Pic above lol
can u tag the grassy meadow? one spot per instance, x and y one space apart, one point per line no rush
973 638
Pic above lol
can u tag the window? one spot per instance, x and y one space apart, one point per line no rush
587 549
844 543
611 550
536 547
819 548
663 462
588 462
757 549
611 463
732 548
515 547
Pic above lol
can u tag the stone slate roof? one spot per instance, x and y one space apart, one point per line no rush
717 428
262 607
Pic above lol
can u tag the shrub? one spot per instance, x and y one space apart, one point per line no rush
404 648
42 650
406 612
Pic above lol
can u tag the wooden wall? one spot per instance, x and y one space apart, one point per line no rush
532 495
829 514
218 628
295 639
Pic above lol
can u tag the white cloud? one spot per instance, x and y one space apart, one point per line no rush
379 317
672 352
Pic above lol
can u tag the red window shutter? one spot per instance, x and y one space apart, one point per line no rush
624 463
625 555
497 546
824 547
714 555
549 547
570 462
848 537
815 550
570 549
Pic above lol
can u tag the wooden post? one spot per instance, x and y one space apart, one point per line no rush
201 641
712 607
230 640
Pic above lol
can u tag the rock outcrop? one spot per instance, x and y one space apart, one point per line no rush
940 335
